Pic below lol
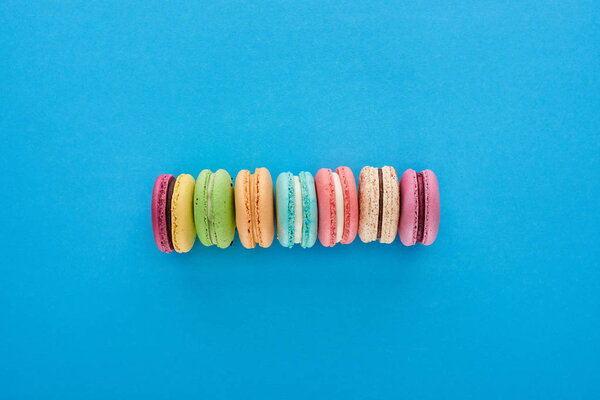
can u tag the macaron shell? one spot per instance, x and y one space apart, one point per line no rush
284 195
409 214
201 207
182 214
222 208
309 209
243 210
432 207
158 210
325 190
350 204
265 216
391 205
368 197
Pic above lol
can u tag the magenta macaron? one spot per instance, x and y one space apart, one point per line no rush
338 206
420 207
161 212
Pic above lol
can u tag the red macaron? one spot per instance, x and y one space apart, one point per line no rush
337 200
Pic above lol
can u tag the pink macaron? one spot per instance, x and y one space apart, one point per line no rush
420 207
337 200
161 212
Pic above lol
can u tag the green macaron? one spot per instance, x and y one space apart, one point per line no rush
214 208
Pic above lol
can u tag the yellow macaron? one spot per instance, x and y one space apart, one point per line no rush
183 229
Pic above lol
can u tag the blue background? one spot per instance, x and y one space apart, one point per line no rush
501 100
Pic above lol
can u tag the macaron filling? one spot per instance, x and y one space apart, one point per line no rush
168 216
298 217
339 207
211 230
421 207
380 211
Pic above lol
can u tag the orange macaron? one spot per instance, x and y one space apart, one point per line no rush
254 209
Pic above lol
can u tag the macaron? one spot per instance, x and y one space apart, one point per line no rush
338 206
379 204
297 213
214 208
420 215
254 208
161 212
183 231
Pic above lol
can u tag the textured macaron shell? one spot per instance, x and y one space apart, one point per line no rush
160 226
222 209
368 193
350 196
201 207
183 230
265 215
432 207
244 209
284 199
254 208
391 205
310 212
369 188
409 217
325 189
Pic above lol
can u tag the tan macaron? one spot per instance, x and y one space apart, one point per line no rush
379 204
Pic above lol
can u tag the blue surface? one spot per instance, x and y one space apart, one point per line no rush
501 100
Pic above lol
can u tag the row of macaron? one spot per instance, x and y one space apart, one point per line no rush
301 208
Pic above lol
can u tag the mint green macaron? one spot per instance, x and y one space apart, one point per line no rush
296 209
214 208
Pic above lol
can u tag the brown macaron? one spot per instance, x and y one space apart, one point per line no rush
254 209
379 204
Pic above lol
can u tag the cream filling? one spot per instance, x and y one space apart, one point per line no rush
339 207
298 211
211 229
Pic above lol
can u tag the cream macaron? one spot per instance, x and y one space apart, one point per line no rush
379 204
